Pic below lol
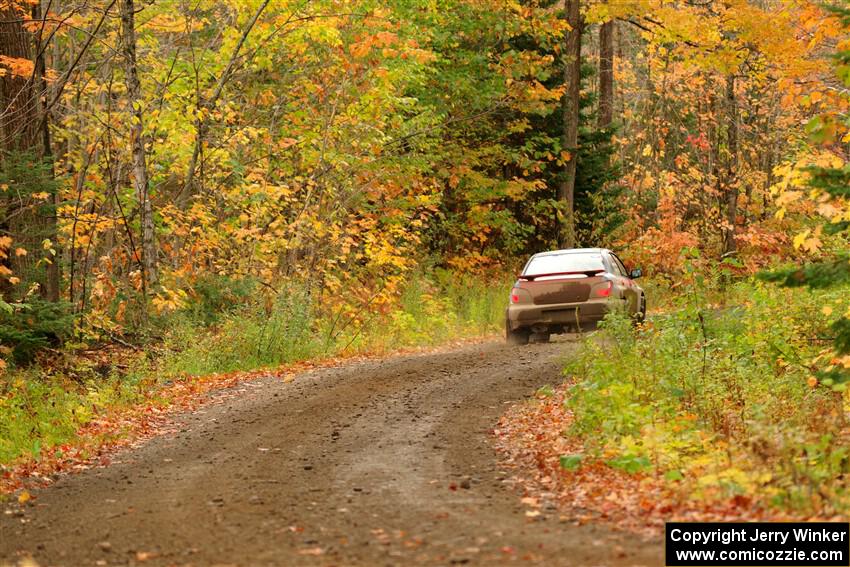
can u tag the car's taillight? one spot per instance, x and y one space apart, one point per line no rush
603 290
519 295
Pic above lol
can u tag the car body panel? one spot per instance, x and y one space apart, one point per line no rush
592 282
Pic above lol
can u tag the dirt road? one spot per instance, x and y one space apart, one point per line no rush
377 463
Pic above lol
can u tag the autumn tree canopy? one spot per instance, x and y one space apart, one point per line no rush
346 144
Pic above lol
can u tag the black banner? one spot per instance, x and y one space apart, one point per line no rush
814 544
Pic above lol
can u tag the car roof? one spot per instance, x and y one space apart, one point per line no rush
571 251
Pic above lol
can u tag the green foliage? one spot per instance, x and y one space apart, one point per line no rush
290 328
819 276
215 295
26 328
26 217
570 462
825 184
545 391
631 463
254 336
599 198
841 330
500 154
832 274
722 399
597 210
834 180
39 412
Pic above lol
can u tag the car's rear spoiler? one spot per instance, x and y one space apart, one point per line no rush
588 273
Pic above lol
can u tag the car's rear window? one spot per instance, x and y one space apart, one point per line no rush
559 263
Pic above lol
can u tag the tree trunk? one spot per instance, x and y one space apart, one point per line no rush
570 107
137 139
730 185
52 290
25 134
606 74
18 125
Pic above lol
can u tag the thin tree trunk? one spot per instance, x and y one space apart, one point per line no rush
570 107
52 282
137 139
731 182
606 74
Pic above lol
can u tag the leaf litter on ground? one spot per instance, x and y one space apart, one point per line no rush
533 442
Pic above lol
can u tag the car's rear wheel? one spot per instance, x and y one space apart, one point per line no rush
540 337
518 337
640 316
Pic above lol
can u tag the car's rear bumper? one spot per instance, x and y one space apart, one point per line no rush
558 317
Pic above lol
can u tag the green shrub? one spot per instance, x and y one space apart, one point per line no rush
214 296
257 335
291 328
39 412
725 395
431 312
26 328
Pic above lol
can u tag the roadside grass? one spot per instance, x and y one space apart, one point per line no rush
720 401
43 408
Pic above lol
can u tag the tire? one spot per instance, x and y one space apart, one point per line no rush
640 316
540 337
518 337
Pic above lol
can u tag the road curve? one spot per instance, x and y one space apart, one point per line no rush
378 463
